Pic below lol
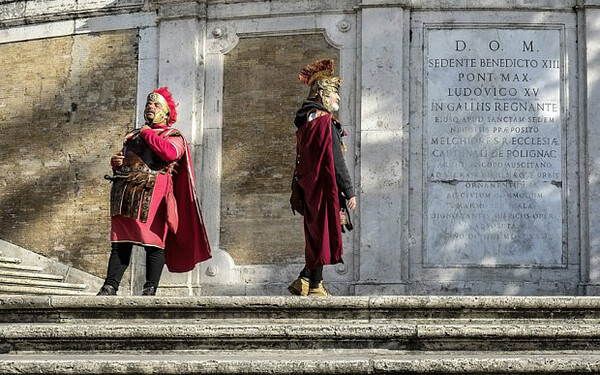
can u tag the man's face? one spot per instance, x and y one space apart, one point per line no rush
335 101
154 113
331 100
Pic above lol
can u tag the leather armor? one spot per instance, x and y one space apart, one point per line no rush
134 180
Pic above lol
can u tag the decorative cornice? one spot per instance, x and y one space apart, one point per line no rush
448 5
174 9
588 4
238 9
20 12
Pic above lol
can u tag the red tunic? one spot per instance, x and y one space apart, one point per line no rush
322 229
186 242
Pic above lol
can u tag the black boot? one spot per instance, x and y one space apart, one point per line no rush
149 291
107 290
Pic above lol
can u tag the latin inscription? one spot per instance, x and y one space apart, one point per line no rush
493 141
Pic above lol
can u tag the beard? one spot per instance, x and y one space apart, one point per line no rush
335 107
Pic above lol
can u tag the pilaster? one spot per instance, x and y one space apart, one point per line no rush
590 273
181 40
382 119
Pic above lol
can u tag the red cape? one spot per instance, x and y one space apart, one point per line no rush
189 244
322 229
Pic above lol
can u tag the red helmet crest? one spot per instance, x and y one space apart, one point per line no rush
164 92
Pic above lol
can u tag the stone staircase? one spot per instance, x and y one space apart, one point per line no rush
299 335
20 279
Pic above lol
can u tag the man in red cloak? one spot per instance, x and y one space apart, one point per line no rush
321 173
153 200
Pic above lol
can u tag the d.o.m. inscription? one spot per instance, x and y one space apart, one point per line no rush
493 147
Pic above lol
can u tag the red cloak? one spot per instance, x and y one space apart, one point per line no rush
189 244
316 169
174 219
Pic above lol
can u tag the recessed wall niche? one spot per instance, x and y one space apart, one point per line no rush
261 93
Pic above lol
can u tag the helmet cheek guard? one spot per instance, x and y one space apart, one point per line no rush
168 112
319 76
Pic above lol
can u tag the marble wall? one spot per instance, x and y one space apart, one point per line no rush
471 141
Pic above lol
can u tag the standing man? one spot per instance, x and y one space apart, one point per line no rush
323 177
153 200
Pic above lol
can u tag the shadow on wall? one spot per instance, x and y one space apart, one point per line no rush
66 103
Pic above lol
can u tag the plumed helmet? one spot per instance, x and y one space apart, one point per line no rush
319 76
164 97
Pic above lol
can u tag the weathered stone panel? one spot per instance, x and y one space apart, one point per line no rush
261 94
65 104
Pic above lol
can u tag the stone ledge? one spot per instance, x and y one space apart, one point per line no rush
290 329
306 362
29 275
64 308
341 302
9 260
114 336
372 302
20 290
8 280
20 267
15 13
32 11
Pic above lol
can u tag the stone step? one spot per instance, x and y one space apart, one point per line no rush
373 308
17 281
9 260
305 362
20 267
114 336
62 323
29 275
36 263
295 335
31 291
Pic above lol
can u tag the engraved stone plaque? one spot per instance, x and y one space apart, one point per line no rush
493 147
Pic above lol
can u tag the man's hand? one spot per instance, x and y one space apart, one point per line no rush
352 203
117 159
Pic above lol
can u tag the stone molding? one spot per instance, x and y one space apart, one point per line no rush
78 26
222 36
470 5
588 4
14 13
186 9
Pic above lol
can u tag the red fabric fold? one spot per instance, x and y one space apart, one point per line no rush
316 169
189 244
